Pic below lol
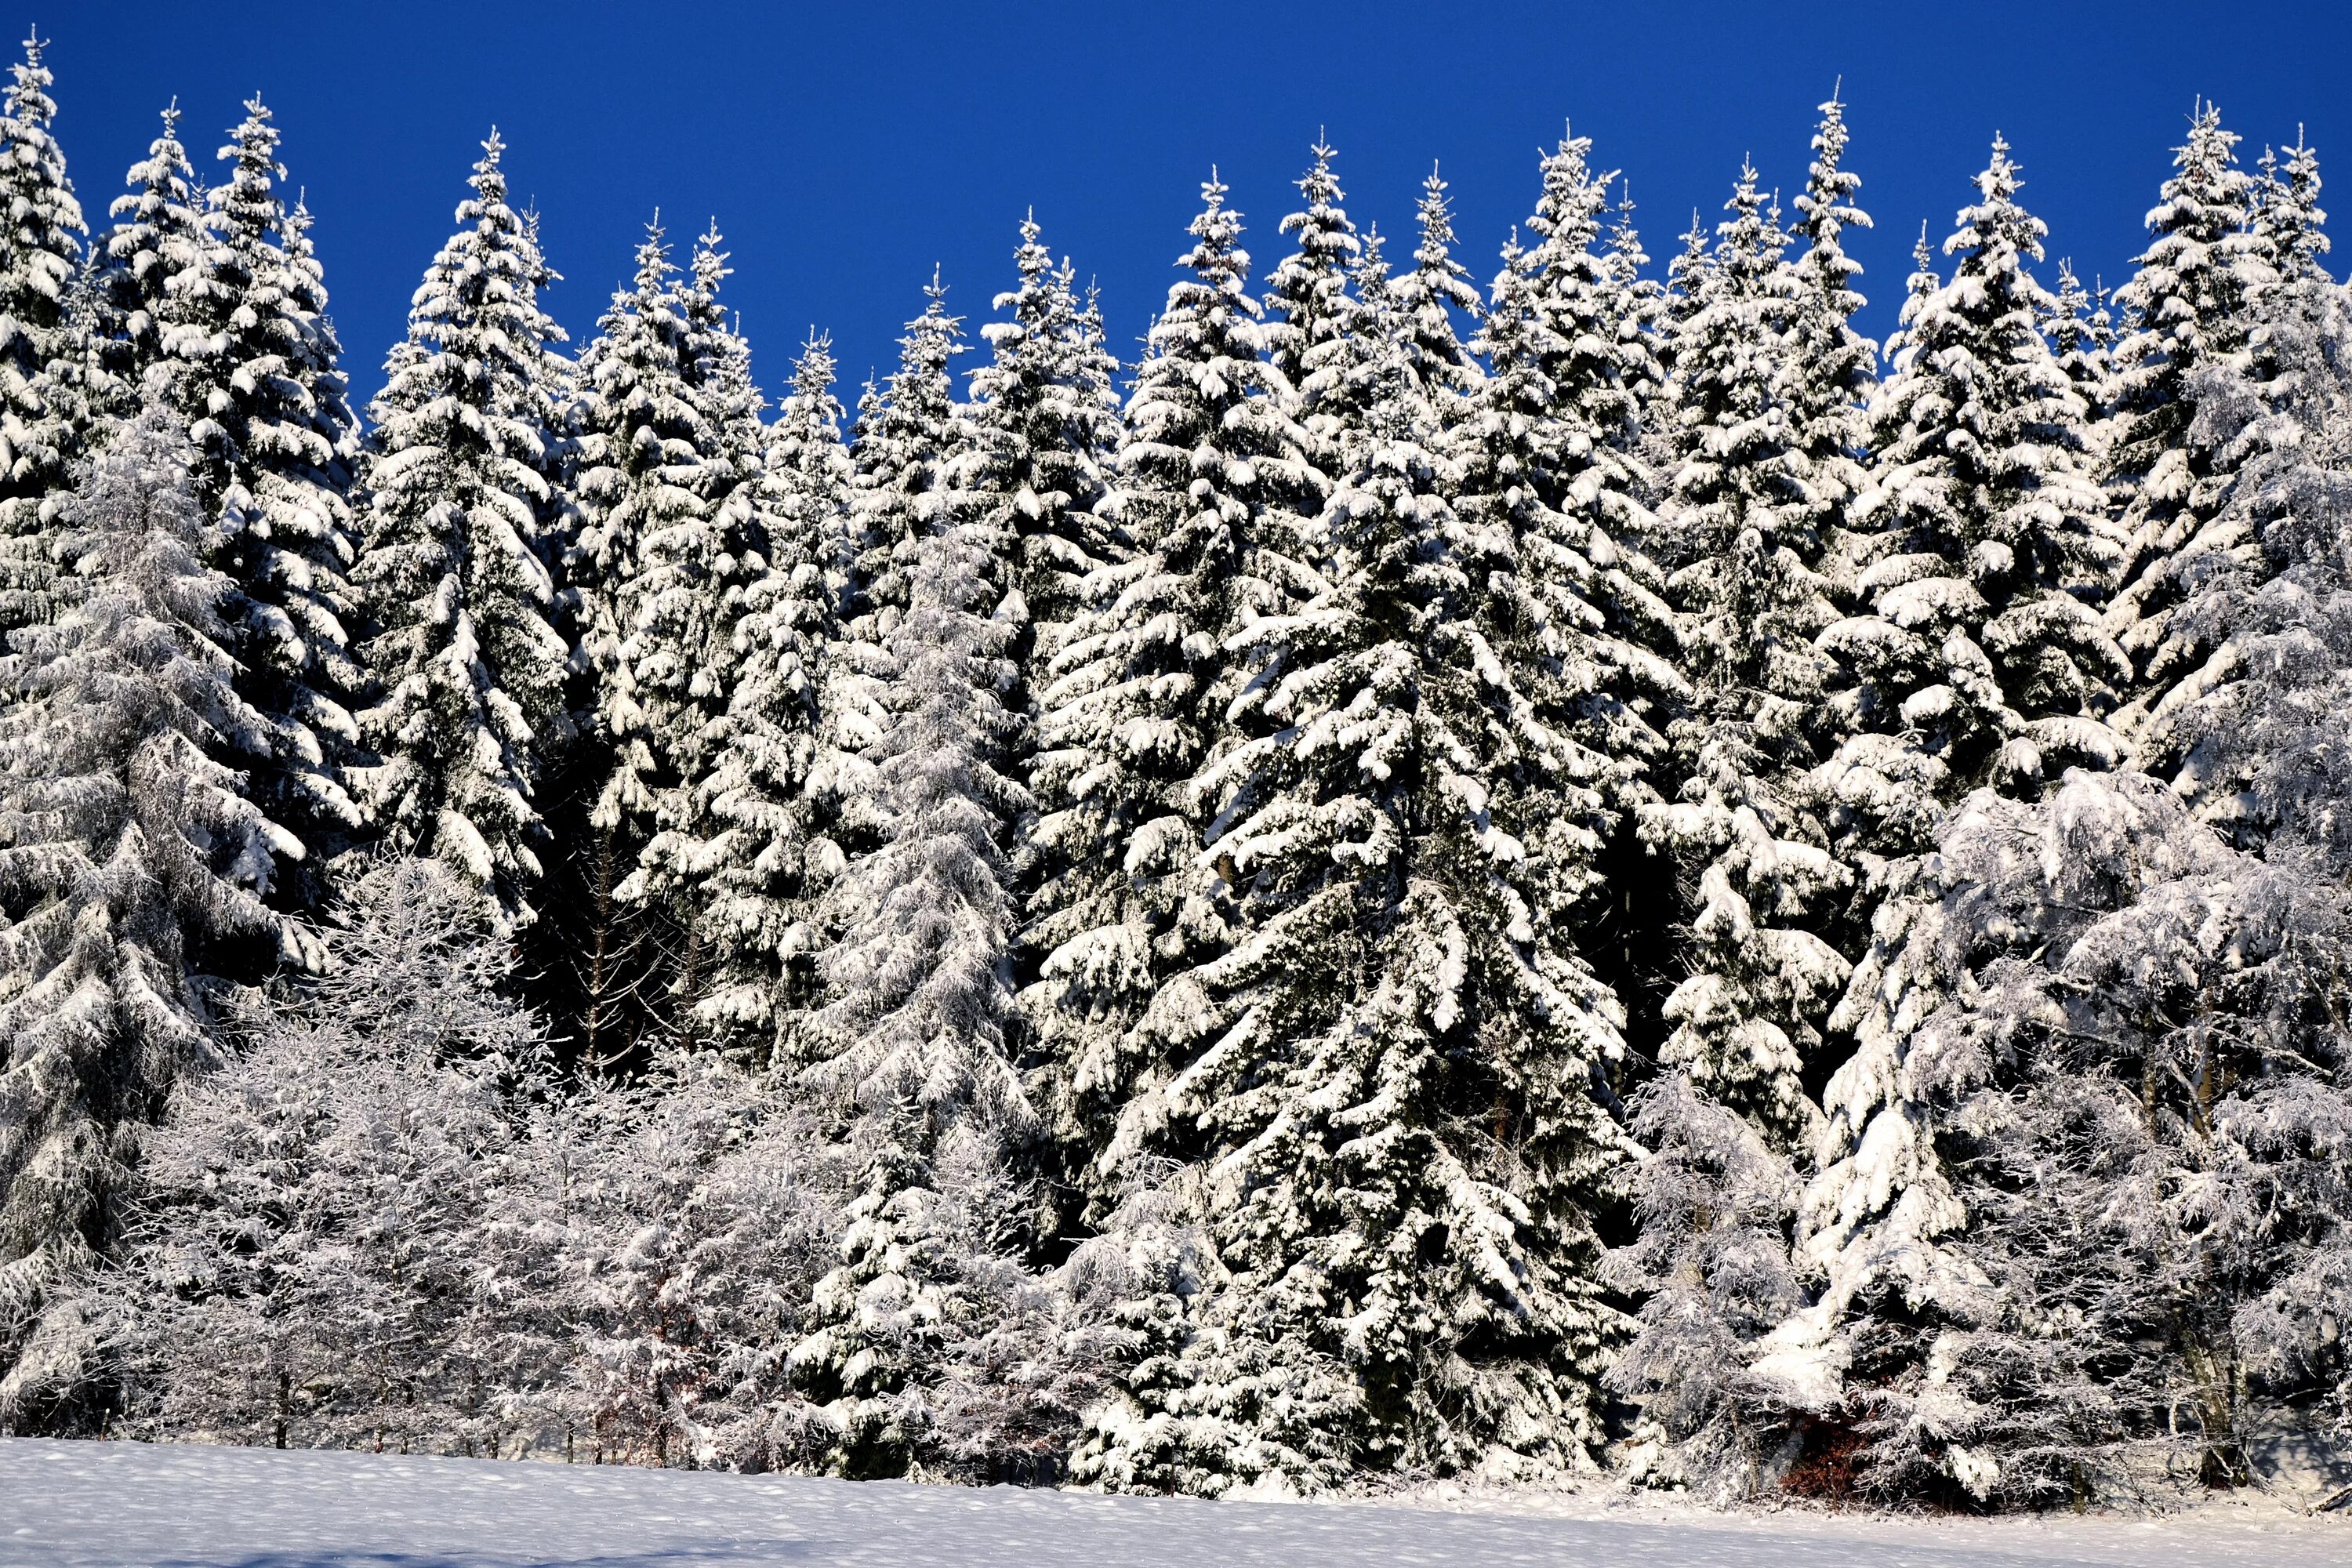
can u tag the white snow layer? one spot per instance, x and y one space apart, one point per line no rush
116 1505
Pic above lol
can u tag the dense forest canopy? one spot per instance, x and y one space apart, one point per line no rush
1583 873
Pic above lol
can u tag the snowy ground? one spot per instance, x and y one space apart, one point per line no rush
112 1505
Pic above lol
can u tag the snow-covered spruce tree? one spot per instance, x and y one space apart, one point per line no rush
755 860
2073 340
1210 483
1433 300
1407 1126
2289 226
1974 655
131 868
1031 468
83 386
452 571
648 535
1830 368
1747 582
2122 1129
1724 1123
1638 306
917 1036
338 1241
40 251
645 438
1312 316
2278 408
1550 463
2190 298
158 232
247 358
1975 659
901 443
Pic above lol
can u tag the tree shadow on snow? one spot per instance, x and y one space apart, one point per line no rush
744 1551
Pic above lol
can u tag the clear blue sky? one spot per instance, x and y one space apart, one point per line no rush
845 148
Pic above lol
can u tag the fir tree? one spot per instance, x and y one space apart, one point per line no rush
1432 299
1031 470
2288 224
1209 481
1831 368
453 570
135 867
1310 311
2072 339
248 360
2189 296
1746 823
1399 977
158 236
920 1031
40 252
1974 655
1550 463
644 439
759 865
903 441
1728 1119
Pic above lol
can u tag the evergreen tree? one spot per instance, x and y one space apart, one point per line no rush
1031 470
1432 299
758 865
248 360
903 441
158 236
1399 980
453 570
643 443
1731 1114
1746 823
1209 481
2287 220
920 1029
40 252
1831 369
1310 312
134 868
2189 298
2072 338
1550 463
1977 661
1974 655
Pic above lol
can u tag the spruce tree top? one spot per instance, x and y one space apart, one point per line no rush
469 377
40 253
1307 294
1427 298
158 230
40 245
2287 215
2189 295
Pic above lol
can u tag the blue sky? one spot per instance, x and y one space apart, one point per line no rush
845 149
